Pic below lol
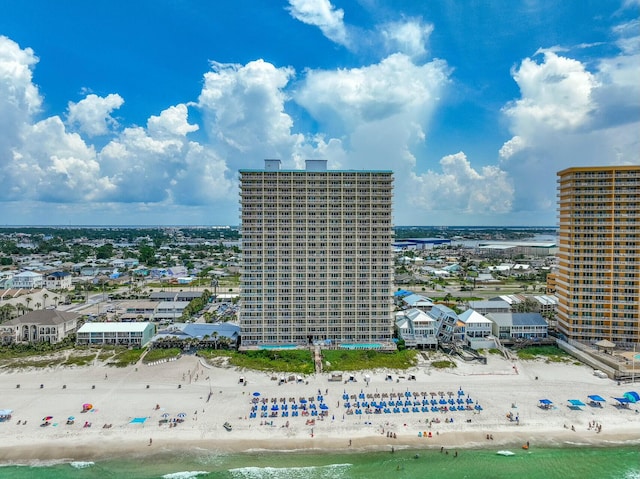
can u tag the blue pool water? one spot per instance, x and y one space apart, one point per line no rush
279 346
361 346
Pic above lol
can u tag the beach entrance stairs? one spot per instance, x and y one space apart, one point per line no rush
505 352
467 353
317 358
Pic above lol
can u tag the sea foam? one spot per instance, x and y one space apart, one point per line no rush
184 474
81 464
331 471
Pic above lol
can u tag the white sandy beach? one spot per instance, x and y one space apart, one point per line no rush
184 386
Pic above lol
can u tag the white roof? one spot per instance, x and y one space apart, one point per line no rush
27 274
114 327
471 316
544 299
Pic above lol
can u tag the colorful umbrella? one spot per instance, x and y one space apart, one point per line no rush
47 418
182 415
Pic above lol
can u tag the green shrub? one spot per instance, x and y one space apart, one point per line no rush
443 364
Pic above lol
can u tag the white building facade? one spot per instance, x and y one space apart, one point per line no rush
317 259
28 280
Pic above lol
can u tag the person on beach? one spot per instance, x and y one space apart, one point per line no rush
150 441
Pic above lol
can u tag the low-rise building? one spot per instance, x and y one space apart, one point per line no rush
115 334
28 280
519 325
416 301
169 310
207 335
417 328
478 330
58 280
546 304
139 310
488 306
42 325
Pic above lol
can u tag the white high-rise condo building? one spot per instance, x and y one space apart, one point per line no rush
317 263
598 280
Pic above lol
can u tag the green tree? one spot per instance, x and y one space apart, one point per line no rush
105 251
147 255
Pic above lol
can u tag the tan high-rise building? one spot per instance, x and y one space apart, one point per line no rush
598 281
317 256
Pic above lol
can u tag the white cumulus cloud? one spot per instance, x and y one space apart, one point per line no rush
394 86
409 37
556 94
322 14
461 189
244 111
172 122
92 115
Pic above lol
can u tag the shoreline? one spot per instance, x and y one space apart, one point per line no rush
35 453
208 396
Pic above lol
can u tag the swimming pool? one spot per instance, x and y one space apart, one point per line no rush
278 346
361 346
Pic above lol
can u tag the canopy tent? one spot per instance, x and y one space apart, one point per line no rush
6 412
624 402
632 396
545 403
596 398
576 403
139 420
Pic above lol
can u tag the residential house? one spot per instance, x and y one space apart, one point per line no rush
58 280
417 328
518 325
487 306
416 301
478 330
42 325
28 280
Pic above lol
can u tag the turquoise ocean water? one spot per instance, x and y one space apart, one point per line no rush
557 463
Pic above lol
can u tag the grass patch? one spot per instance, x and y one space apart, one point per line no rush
159 354
296 361
32 363
444 364
125 357
552 354
79 360
345 360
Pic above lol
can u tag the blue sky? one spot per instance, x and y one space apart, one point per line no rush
115 112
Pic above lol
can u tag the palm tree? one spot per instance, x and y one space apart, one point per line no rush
44 297
38 305
55 301
6 311
215 340
28 300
